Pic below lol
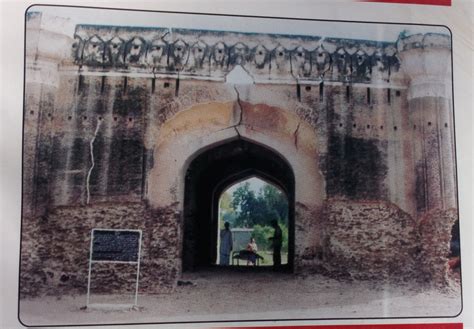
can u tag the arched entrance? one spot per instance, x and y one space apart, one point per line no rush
250 206
208 175
195 152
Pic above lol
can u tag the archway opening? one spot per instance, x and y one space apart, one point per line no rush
208 176
252 224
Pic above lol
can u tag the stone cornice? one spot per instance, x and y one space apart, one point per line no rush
213 54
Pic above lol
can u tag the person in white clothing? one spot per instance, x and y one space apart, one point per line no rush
226 245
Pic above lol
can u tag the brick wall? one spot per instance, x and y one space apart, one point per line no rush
435 232
55 250
371 240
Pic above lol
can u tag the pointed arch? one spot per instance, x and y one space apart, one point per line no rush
207 177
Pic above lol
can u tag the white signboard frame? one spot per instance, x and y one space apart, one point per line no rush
91 260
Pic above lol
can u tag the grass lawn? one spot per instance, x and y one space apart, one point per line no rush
268 258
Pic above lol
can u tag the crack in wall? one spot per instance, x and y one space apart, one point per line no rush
92 161
295 134
240 113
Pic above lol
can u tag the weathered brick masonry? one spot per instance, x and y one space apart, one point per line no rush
60 260
374 240
115 116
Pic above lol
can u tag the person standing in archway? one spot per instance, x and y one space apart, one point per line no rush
226 245
277 241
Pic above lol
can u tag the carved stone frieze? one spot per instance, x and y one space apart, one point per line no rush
301 63
219 59
94 51
135 50
321 61
178 55
264 57
198 62
115 51
77 49
280 62
157 55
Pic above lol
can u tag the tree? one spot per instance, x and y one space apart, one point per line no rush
276 202
245 204
262 235
251 209
226 202
226 211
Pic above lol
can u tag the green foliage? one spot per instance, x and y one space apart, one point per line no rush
275 201
245 208
227 212
229 217
262 234
226 202
284 230
251 209
245 203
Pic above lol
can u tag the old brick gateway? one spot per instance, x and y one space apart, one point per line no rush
130 127
208 176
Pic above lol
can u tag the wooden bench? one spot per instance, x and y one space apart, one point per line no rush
245 255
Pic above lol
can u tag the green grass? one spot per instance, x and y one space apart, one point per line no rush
268 258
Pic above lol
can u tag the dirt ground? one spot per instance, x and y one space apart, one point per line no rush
244 295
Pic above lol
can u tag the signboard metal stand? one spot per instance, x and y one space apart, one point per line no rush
118 246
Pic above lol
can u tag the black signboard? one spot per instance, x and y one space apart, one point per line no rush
119 246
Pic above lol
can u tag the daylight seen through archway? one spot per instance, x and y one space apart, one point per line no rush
250 207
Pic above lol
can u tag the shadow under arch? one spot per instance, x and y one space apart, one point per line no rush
208 175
